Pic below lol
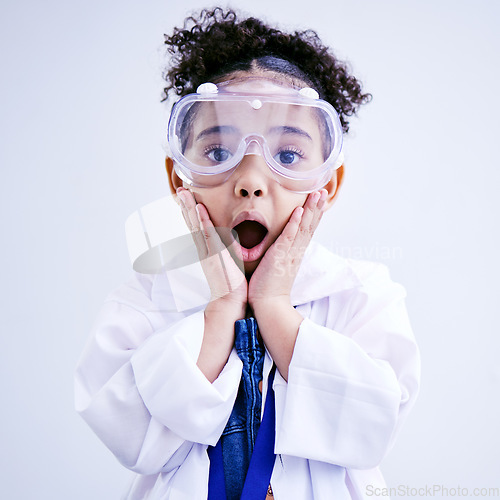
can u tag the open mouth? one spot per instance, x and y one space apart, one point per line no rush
250 233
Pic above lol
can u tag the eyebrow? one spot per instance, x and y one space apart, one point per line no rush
229 129
218 129
285 129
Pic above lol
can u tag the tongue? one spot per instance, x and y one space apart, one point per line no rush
250 233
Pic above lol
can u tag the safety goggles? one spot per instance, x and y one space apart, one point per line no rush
298 135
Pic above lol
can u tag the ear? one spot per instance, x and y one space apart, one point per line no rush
174 180
333 186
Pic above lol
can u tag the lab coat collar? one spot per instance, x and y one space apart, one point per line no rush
321 273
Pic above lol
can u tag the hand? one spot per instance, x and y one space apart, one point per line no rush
277 270
271 283
228 287
226 280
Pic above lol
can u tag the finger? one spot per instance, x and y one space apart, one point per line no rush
180 201
322 200
218 239
213 241
313 211
236 254
320 209
310 209
188 205
291 229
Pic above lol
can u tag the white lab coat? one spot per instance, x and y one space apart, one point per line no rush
352 380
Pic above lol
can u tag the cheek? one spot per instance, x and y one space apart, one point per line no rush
202 196
287 205
213 201
292 201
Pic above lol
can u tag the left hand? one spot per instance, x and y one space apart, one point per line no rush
275 274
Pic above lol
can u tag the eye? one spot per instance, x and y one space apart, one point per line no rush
288 156
218 154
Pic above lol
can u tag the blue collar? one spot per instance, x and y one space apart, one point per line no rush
262 461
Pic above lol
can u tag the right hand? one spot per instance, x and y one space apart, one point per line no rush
227 282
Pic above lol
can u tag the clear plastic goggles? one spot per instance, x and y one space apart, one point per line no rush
298 134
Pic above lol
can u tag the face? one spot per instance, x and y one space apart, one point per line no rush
251 201
289 137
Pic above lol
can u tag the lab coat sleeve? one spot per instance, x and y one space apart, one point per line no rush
348 391
141 392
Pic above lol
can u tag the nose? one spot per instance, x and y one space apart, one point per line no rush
252 177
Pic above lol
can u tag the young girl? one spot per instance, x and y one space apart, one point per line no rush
294 375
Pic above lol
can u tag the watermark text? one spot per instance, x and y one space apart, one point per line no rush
432 490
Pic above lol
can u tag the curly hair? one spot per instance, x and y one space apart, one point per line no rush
218 43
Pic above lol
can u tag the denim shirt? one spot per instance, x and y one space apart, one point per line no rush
238 438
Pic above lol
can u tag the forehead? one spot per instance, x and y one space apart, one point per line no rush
284 77
252 105
240 119
260 112
257 85
252 111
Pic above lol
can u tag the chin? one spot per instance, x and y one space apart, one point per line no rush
250 267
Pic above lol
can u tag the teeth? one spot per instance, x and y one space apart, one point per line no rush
250 233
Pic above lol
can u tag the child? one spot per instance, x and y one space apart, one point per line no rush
293 378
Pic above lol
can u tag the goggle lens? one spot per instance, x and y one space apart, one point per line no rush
210 135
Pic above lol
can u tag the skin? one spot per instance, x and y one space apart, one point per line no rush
263 289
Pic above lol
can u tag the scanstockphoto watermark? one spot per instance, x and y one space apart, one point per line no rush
376 252
433 490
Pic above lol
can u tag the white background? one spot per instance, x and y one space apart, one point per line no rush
82 147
